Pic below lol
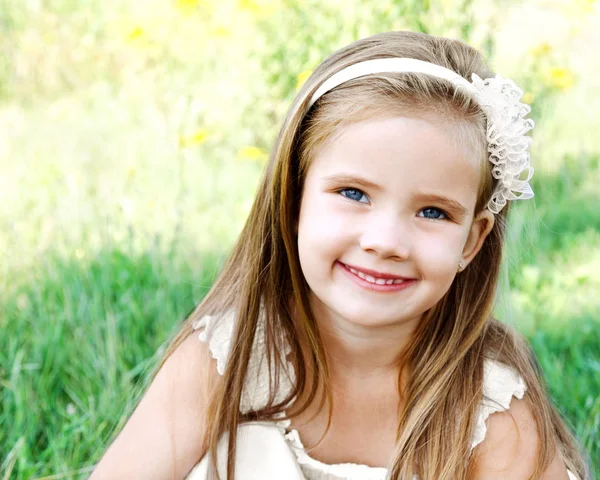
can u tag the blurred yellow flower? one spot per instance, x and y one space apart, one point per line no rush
528 97
187 6
578 8
221 31
196 138
138 37
541 49
252 153
256 7
136 33
561 78
301 78
251 5
131 171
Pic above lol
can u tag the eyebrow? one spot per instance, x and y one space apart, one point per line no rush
345 178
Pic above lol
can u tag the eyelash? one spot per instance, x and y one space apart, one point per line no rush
349 189
444 215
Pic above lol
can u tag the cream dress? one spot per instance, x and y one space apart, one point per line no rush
274 451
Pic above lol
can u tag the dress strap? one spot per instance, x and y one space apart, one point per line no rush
500 384
217 333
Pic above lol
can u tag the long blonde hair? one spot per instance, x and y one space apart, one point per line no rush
262 278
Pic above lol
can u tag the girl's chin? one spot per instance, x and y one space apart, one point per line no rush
367 318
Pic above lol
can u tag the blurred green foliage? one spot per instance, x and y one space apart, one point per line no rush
132 137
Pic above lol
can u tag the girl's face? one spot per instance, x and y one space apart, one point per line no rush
386 215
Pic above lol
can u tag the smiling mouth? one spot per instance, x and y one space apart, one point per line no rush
377 279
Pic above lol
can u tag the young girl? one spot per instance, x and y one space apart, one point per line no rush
350 335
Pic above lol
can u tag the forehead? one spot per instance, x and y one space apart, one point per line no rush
403 154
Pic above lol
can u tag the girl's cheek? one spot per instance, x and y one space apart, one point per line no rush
319 224
439 251
329 231
326 214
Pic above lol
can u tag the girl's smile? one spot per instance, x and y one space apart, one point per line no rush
376 281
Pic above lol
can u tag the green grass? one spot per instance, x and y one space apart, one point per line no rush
78 343
80 337
571 366
125 174
83 329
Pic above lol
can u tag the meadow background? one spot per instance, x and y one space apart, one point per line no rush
132 138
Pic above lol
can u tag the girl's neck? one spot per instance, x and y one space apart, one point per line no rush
361 351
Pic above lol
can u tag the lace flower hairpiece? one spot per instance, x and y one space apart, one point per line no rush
499 98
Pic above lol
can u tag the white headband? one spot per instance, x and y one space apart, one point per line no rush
508 146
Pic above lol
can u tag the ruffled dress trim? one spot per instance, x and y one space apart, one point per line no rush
500 384
217 333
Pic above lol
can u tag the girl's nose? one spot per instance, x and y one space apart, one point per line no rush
387 237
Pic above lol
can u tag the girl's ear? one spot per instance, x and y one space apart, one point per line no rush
480 228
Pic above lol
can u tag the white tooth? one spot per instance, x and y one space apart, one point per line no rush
361 275
380 281
389 282
353 271
369 278
398 281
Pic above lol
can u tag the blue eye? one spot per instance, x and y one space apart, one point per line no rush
354 194
433 213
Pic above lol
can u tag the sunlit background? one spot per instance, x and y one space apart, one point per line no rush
132 137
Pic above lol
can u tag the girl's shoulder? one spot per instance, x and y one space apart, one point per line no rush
159 440
508 442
